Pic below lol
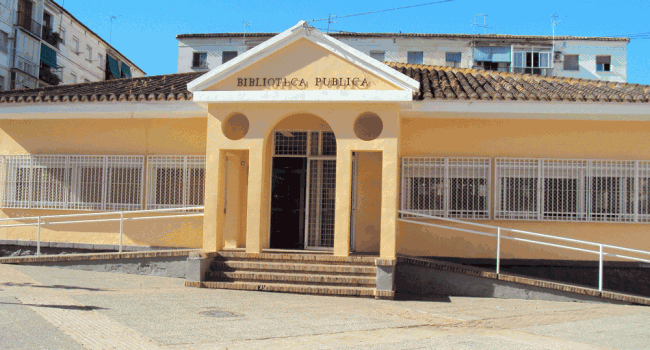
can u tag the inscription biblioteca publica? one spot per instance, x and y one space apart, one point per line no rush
302 83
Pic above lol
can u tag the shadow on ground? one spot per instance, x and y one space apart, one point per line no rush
54 286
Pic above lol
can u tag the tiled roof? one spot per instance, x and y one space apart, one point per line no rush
154 88
439 83
409 35
445 83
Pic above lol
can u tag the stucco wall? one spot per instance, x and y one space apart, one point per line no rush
106 137
263 118
562 139
368 206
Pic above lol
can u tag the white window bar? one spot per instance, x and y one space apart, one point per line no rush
175 181
290 143
572 190
303 143
73 182
516 189
642 191
447 187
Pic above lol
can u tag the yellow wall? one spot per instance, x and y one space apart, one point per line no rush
492 138
106 137
302 60
263 118
368 206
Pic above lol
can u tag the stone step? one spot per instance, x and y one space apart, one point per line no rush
323 259
291 278
290 288
241 265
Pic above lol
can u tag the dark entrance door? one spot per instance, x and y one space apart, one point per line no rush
288 202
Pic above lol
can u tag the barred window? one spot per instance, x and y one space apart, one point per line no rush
175 181
72 182
448 187
572 190
300 142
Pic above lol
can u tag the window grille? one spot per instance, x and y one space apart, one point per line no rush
73 182
298 143
175 181
447 187
321 207
290 143
572 190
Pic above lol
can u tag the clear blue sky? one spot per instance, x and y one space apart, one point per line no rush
146 30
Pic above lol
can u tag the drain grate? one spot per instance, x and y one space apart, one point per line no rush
219 313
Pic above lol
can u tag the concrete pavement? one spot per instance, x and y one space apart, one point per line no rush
45 307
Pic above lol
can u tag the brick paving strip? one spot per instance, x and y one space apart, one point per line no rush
87 327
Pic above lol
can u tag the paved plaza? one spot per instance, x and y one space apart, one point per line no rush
52 308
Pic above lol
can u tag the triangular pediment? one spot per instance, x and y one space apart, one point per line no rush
303 64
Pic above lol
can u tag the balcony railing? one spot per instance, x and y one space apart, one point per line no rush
45 74
50 37
26 22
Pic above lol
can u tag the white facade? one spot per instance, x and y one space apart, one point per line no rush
49 46
435 50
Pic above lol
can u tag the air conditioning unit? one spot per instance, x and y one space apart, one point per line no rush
558 56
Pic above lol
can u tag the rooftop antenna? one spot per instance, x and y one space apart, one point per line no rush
110 38
329 20
246 25
554 23
477 25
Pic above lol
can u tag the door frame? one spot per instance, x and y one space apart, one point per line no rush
308 158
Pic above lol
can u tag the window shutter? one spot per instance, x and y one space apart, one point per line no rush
48 56
227 56
571 62
603 59
126 70
113 66
415 57
500 54
483 53
454 56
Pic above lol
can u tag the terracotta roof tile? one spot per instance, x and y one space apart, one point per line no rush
154 88
408 35
436 83
462 84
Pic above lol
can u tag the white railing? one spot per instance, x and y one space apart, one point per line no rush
130 215
499 236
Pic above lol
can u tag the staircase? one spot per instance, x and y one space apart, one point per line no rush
303 273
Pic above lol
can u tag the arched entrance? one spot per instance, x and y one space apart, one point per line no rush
303 184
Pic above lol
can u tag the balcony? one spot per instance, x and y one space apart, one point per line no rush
45 74
50 37
26 22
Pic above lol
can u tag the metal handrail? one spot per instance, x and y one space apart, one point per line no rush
25 21
39 219
601 253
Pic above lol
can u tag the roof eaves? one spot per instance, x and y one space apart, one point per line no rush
422 35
